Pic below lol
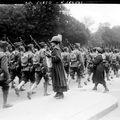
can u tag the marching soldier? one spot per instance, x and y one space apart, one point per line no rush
41 70
66 62
27 69
14 63
76 64
90 62
4 73
115 62
107 62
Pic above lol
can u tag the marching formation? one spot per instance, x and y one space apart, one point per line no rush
51 63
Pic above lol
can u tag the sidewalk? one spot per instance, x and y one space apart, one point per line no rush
78 104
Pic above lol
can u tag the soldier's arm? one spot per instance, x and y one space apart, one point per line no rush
81 59
4 66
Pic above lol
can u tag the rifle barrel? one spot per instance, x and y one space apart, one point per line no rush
34 41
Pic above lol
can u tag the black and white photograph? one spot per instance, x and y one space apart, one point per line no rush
59 61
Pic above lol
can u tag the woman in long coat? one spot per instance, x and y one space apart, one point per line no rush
99 71
59 81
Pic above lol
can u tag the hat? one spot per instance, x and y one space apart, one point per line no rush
22 48
99 49
116 50
77 45
3 44
42 44
17 44
30 45
56 39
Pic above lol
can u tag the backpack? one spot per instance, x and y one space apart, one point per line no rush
2 73
114 57
36 58
24 59
73 57
65 59
14 60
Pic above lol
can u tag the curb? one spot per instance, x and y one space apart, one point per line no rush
98 111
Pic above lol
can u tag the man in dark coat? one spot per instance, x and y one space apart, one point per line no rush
59 81
99 71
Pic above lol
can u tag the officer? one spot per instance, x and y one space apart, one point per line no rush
4 73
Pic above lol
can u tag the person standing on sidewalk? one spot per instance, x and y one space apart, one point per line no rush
99 71
59 80
4 73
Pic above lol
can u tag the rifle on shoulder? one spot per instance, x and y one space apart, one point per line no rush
35 41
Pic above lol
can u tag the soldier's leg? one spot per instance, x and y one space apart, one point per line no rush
32 79
67 70
5 90
25 78
116 71
79 74
95 86
107 70
38 77
46 79
71 76
19 75
12 76
49 75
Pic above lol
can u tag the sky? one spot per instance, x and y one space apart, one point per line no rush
98 13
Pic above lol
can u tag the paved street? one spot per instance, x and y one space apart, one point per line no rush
115 91
112 85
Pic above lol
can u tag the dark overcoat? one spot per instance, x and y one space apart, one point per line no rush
99 70
58 73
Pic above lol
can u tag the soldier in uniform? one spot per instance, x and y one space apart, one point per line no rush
66 62
14 63
26 68
4 73
41 70
90 62
115 62
76 64
107 62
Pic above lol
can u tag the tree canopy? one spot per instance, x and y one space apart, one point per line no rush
42 21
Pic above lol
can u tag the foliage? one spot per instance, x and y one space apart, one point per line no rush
42 21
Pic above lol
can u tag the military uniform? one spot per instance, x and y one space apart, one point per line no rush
40 65
76 63
4 73
66 61
115 63
41 70
14 64
27 67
